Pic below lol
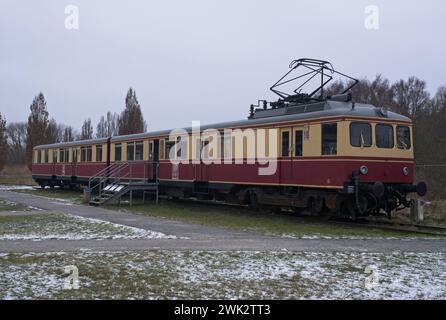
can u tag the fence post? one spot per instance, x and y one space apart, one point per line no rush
416 211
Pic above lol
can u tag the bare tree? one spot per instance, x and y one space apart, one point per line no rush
108 126
87 130
440 99
410 96
69 134
16 138
52 132
131 119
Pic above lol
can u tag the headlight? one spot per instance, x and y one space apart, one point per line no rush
406 171
364 170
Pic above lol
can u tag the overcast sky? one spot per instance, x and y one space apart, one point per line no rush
200 59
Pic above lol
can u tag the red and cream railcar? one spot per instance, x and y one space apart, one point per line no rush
305 151
339 155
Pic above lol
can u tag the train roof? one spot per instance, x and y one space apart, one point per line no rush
327 108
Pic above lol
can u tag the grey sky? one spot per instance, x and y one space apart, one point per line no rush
200 59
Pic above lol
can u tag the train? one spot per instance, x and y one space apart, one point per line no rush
318 151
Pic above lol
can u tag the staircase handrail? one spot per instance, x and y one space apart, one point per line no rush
113 172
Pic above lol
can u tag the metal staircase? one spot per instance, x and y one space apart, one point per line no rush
113 182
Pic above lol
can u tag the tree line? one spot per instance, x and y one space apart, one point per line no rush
17 139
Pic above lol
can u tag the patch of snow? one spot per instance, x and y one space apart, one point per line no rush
35 208
228 275
7 187
8 202
73 227
348 237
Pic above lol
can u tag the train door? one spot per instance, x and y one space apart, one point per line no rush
285 171
154 158
298 151
197 160
73 162
205 155
54 159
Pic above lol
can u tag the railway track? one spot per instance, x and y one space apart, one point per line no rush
396 226
365 222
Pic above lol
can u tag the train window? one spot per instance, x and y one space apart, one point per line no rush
46 156
139 146
61 155
99 153
130 151
285 144
161 149
197 149
403 137
89 154
169 145
179 147
360 134
118 153
67 155
298 143
205 152
227 146
83 154
329 138
384 136
150 150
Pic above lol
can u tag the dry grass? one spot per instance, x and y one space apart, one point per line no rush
436 211
16 174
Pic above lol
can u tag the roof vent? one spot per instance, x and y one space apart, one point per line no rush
344 97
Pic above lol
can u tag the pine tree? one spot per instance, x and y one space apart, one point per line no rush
37 131
131 119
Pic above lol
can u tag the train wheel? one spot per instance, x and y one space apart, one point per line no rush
253 202
316 205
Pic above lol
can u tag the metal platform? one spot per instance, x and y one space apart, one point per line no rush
112 183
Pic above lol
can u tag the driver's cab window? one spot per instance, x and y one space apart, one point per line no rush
329 139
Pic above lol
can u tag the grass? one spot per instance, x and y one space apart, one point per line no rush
222 275
44 226
56 193
235 218
11 206
16 174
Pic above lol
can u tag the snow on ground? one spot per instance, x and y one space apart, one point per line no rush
225 275
46 226
8 203
15 187
319 236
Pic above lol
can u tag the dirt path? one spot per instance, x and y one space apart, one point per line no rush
198 237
